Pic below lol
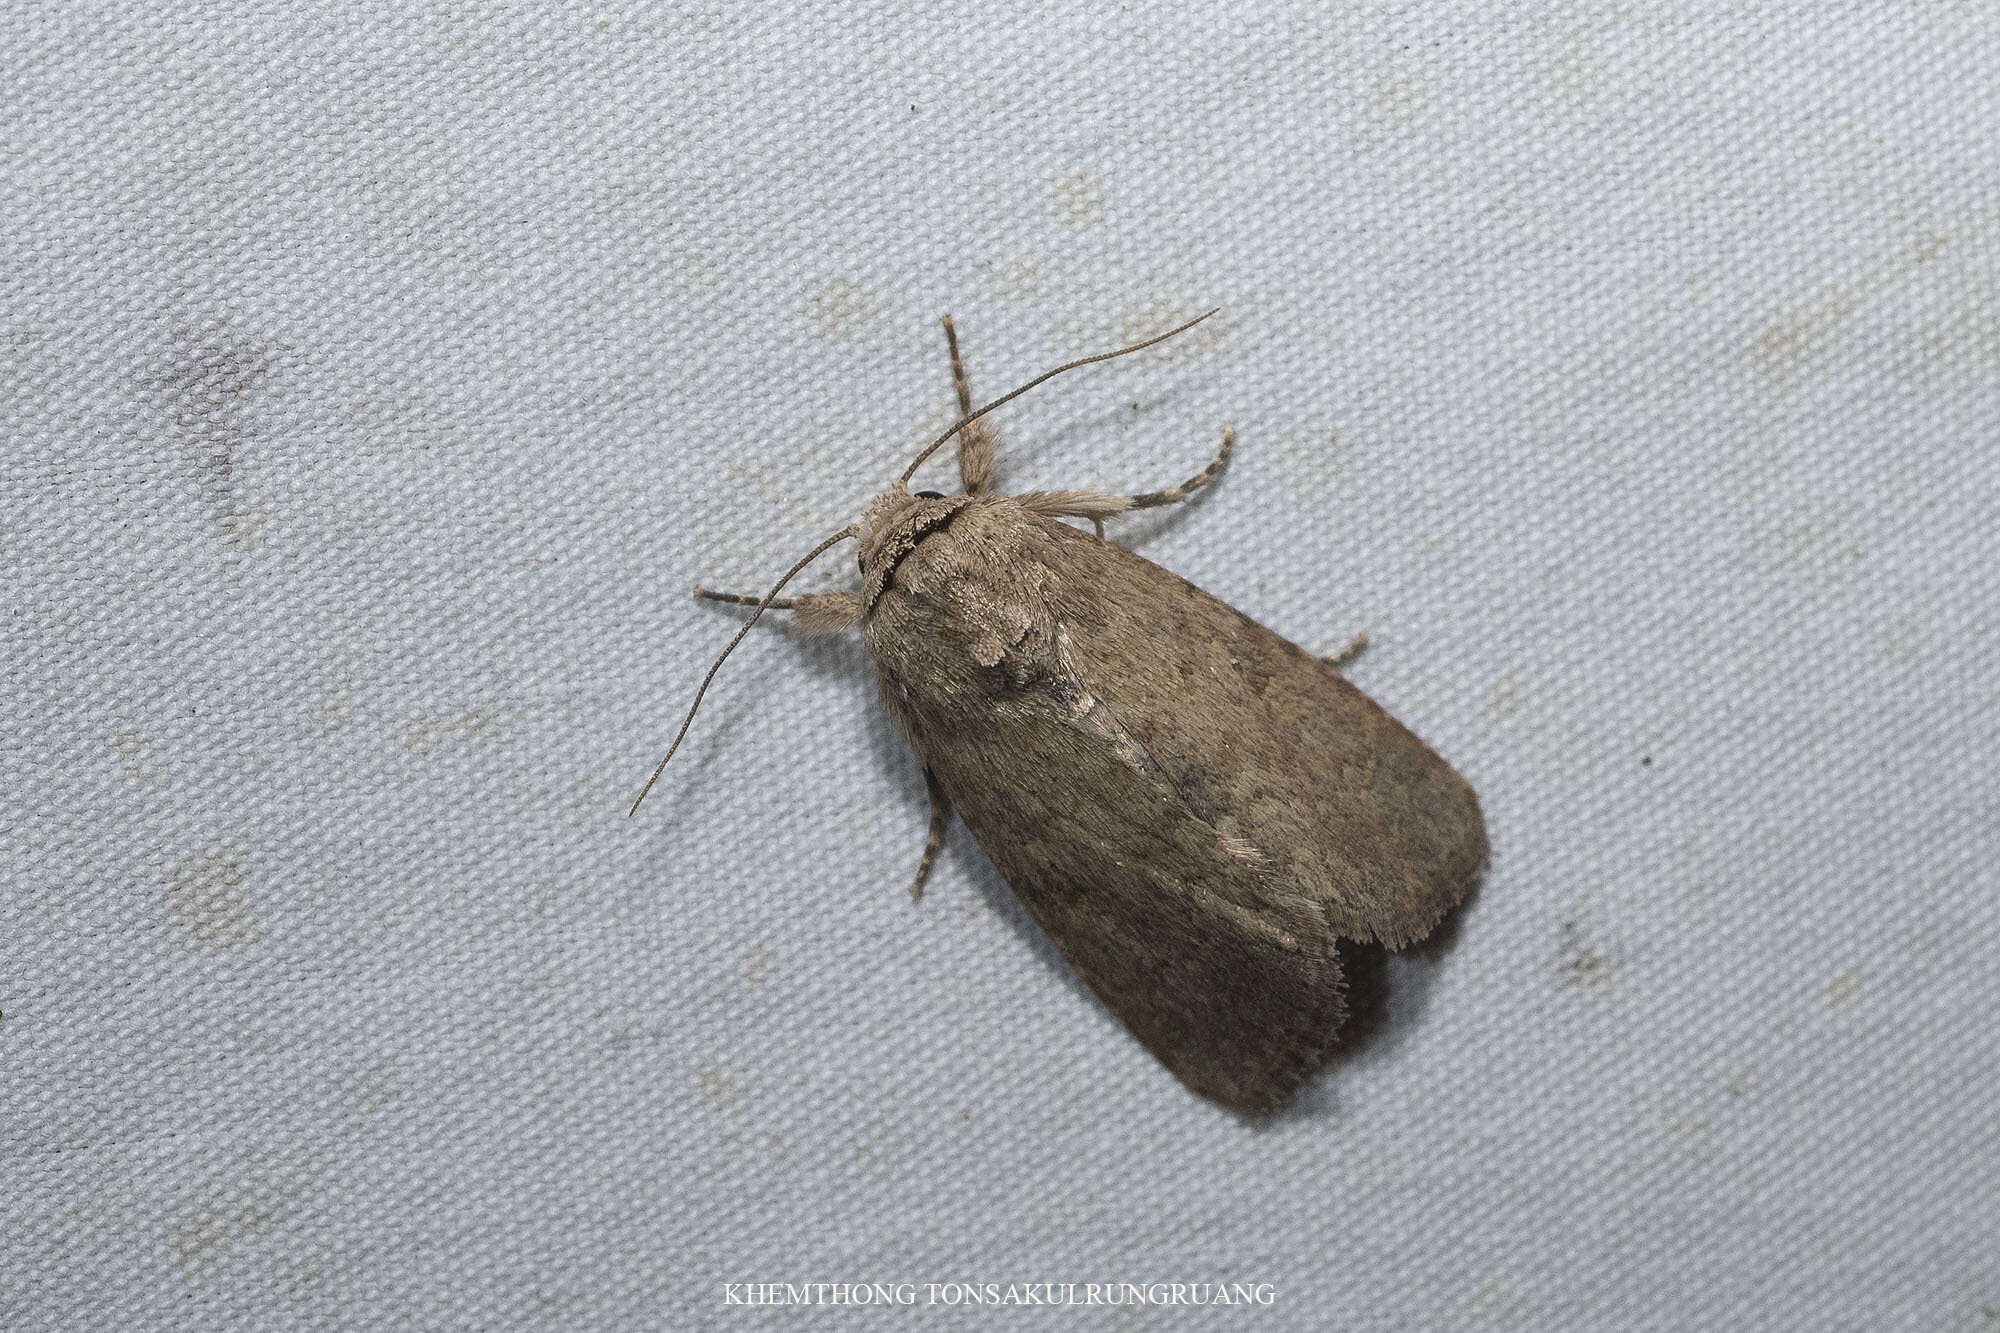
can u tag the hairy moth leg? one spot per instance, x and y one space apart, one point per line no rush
976 443
1100 505
934 839
815 613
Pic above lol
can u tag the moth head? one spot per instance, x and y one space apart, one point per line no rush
890 528
898 518
895 520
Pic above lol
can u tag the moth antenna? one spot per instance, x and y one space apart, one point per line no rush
971 417
762 606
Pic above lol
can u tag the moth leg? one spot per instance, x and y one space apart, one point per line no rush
1093 505
976 443
933 840
1175 494
815 613
1349 653
1098 505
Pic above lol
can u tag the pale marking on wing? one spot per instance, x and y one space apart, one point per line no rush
1089 710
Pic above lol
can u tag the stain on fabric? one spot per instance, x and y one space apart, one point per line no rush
333 708
1315 458
839 309
243 528
1903 639
1616 53
700 273
1080 199
712 1086
1688 1131
1814 546
1582 963
1399 95
205 1229
1687 1122
208 900
197 1236
759 481
207 395
1020 281
377 1086
636 1037
1799 342
130 747
468 727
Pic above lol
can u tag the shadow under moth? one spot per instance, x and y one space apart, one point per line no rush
1193 808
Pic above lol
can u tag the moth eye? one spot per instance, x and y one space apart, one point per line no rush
930 495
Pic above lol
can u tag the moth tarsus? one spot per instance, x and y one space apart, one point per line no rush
933 836
1345 657
1194 809
1175 494
702 594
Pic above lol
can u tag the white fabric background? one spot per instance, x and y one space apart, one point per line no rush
377 381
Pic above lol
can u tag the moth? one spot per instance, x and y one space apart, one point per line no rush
1193 808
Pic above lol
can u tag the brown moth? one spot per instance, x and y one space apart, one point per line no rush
1192 807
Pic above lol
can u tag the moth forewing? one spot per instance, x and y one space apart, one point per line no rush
1188 804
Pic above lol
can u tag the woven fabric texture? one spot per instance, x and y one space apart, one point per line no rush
378 379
